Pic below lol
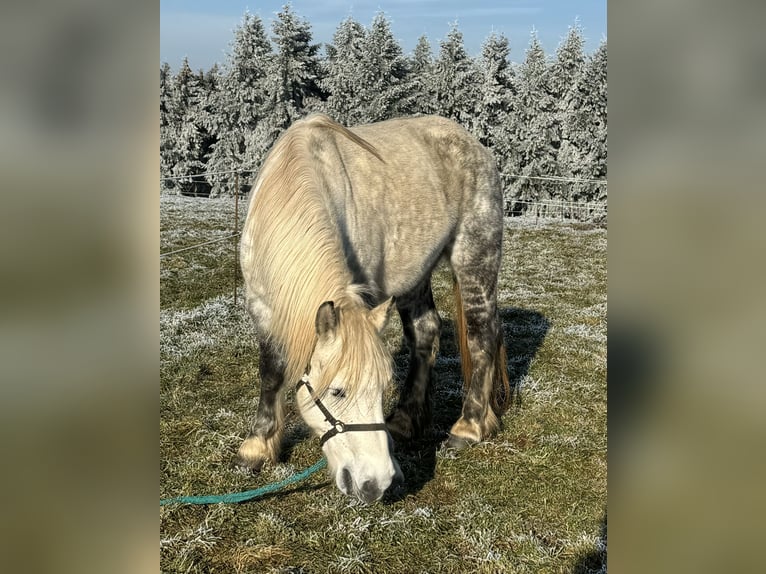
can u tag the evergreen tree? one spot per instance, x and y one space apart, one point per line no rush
367 74
496 88
166 79
294 75
421 77
494 121
188 139
384 79
455 81
186 88
345 57
211 78
588 131
568 66
167 126
238 104
207 112
537 131
565 78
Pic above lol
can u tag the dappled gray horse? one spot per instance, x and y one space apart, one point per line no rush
343 224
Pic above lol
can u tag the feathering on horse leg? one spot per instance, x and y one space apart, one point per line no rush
501 397
264 441
478 420
477 326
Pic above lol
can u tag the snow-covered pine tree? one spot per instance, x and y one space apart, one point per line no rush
567 67
537 131
293 81
494 121
167 126
207 112
185 87
342 81
367 74
385 73
495 88
565 78
421 66
455 81
589 120
212 77
189 139
238 104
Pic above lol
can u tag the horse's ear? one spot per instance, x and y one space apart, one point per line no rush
327 320
380 314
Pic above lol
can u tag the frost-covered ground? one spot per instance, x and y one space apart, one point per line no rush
190 275
186 332
187 219
531 499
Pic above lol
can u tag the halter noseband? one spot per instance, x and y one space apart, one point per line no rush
336 426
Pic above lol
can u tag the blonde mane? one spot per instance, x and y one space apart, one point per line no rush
292 245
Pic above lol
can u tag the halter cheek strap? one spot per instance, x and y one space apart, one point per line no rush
336 426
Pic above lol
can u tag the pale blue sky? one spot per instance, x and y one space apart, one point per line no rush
203 30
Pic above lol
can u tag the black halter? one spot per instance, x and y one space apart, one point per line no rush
337 427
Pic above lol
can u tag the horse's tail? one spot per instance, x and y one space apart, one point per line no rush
501 391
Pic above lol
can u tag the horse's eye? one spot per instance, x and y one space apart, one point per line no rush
338 393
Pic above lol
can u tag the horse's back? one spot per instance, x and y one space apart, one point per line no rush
425 158
400 205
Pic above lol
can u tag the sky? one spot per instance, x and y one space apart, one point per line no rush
203 30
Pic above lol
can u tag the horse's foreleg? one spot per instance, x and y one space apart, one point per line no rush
265 438
421 324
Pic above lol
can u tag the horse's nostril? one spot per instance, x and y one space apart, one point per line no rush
348 484
370 491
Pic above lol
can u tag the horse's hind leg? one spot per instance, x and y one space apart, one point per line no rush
265 438
421 324
475 261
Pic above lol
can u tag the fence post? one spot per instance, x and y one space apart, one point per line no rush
236 227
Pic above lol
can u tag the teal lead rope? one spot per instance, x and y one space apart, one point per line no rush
248 494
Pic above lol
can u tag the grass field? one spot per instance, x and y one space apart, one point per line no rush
532 499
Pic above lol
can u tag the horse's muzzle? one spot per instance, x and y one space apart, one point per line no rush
369 490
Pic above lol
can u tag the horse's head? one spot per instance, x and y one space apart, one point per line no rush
341 398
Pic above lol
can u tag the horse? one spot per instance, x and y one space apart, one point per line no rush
343 226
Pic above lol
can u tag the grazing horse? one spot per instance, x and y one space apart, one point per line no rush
343 225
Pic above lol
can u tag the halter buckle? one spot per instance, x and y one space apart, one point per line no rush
340 426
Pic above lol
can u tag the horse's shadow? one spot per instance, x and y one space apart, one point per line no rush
523 331
596 559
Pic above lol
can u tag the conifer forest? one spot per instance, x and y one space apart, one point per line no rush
544 118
